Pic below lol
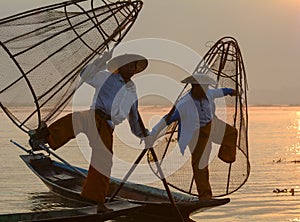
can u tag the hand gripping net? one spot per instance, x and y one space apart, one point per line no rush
43 50
224 63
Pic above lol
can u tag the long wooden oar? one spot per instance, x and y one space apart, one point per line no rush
160 171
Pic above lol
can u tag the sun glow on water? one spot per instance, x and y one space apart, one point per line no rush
297 144
298 120
293 134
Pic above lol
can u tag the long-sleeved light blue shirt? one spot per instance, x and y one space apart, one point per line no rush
192 114
114 97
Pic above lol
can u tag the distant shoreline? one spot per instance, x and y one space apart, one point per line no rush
146 107
274 105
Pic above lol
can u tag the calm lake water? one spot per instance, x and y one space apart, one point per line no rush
274 137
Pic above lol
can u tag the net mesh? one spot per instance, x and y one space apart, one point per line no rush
224 63
43 50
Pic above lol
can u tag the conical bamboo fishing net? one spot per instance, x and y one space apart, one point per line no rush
223 63
43 50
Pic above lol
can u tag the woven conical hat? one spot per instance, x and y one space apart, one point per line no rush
127 60
199 78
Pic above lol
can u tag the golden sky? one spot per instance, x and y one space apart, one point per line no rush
268 32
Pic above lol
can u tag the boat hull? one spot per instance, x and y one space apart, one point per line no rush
63 181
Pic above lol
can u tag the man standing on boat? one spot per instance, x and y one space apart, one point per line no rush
198 127
115 100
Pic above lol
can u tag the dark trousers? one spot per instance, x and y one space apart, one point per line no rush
225 135
218 132
201 175
99 134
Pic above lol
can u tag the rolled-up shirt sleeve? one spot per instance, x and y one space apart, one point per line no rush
136 126
218 93
227 91
174 117
165 121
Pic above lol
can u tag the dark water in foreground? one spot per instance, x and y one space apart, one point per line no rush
274 135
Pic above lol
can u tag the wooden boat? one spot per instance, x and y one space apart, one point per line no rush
87 213
148 202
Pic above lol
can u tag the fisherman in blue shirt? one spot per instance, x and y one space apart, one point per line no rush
115 100
198 126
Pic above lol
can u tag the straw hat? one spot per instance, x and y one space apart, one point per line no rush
199 78
127 60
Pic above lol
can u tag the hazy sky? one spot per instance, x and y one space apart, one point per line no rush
268 32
